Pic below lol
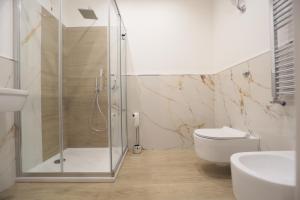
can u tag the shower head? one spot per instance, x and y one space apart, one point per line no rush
88 13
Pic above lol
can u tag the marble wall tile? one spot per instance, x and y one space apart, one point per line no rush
7 152
170 107
7 72
30 71
7 131
243 102
173 106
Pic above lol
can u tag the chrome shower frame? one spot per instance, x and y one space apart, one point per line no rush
61 176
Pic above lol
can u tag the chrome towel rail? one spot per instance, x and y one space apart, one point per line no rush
283 70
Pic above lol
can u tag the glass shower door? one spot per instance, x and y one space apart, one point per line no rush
39 69
73 63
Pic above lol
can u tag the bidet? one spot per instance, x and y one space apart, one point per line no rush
263 175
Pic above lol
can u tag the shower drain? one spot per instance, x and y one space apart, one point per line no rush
58 161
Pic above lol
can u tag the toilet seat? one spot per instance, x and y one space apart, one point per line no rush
224 133
217 145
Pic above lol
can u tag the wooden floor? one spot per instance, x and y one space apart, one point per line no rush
153 175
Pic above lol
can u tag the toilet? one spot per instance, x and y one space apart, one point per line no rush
217 145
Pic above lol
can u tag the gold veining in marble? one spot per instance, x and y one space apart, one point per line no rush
31 33
247 94
171 107
208 81
243 101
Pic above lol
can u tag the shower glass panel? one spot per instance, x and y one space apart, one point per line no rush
39 60
72 62
115 84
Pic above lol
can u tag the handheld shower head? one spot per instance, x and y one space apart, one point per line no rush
88 13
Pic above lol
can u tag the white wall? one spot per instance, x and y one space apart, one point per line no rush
183 36
239 37
168 36
6 28
193 37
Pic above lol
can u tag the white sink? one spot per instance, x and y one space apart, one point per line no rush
12 99
264 175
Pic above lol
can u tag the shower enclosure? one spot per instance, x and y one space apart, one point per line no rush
72 61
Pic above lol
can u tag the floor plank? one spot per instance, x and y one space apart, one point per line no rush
152 175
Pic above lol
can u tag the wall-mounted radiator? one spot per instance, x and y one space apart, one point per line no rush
283 70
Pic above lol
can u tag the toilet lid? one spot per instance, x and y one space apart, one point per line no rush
221 133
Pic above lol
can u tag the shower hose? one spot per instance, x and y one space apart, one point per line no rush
97 108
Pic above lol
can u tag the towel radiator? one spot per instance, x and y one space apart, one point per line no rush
282 35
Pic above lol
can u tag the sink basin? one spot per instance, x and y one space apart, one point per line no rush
12 99
264 175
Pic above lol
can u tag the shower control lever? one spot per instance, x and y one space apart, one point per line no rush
123 36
